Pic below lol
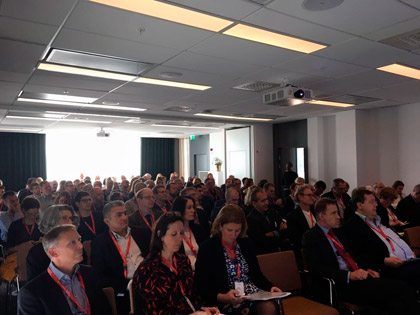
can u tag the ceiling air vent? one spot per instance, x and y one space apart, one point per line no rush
257 86
183 109
406 41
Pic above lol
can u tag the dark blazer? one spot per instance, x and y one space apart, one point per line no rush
211 273
258 226
364 243
383 213
346 200
107 261
289 205
409 210
42 296
297 226
135 219
200 235
100 226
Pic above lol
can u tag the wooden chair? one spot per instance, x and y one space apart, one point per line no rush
110 296
412 237
281 269
22 251
88 249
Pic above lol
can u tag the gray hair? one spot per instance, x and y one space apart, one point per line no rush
416 188
111 205
300 190
53 236
50 218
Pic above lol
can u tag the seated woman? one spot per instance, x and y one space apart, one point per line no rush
194 234
164 280
25 229
227 267
37 260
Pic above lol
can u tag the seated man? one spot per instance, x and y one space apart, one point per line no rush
145 215
231 197
91 222
12 214
65 287
378 245
326 256
408 208
117 253
341 197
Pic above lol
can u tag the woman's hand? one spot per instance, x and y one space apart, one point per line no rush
207 311
232 297
275 289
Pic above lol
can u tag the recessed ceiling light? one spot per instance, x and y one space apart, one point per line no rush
401 70
87 114
66 98
232 117
274 39
85 72
59 120
329 103
56 116
170 12
63 103
170 75
172 84
183 126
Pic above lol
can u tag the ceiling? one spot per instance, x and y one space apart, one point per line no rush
356 33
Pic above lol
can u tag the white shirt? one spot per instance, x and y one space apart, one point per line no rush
134 257
308 215
188 250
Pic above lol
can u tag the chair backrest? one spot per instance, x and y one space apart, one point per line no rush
22 251
281 269
88 249
412 237
132 303
110 296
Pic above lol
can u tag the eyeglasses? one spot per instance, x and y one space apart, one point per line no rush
310 195
86 200
148 197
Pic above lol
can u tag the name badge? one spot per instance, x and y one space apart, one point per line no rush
239 286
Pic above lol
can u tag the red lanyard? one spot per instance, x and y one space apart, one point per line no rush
173 269
233 253
27 229
168 201
312 219
91 228
145 220
379 230
123 257
336 243
164 209
190 243
69 294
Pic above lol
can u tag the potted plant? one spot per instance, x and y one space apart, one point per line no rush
218 163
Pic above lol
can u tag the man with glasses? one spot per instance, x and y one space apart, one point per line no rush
145 216
91 222
159 192
338 194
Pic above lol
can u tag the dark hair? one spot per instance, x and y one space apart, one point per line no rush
397 183
30 203
267 186
156 188
80 195
254 193
168 186
33 185
110 205
180 203
159 231
322 204
41 184
198 185
63 193
320 184
229 214
358 195
116 195
337 182
30 180
388 193
262 182
8 194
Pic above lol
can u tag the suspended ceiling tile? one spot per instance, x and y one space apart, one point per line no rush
355 16
408 92
26 31
236 49
110 46
14 76
292 26
378 104
395 29
18 56
59 90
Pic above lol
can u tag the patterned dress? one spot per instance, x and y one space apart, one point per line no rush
160 288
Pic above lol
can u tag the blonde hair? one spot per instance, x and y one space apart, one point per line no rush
229 214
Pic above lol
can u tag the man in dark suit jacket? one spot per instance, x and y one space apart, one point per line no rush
326 256
377 245
260 230
343 200
145 216
408 208
109 254
66 287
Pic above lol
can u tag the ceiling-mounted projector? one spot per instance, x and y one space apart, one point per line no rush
286 96
102 133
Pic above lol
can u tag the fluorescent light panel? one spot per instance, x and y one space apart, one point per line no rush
274 39
329 103
94 115
401 70
59 120
63 103
181 126
232 117
170 12
68 98
117 76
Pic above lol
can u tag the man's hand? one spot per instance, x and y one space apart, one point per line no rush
358 274
393 262
269 234
373 273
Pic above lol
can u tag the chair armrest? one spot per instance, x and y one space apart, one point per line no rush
332 291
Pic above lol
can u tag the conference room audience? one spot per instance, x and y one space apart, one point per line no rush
201 216
65 287
37 260
144 216
164 280
228 258
290 201
12 214
408 208
386 211
194 234
159 192
338 194
47 198
91 222
398 186
319 188
326 256
26 191
26 228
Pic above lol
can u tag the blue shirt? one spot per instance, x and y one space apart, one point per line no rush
73 285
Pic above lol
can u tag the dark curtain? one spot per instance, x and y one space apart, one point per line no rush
22 156
157 156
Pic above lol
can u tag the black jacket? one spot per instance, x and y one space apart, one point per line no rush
409 210
258 226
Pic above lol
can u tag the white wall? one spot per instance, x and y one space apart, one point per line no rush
238 155
217 149
262 152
